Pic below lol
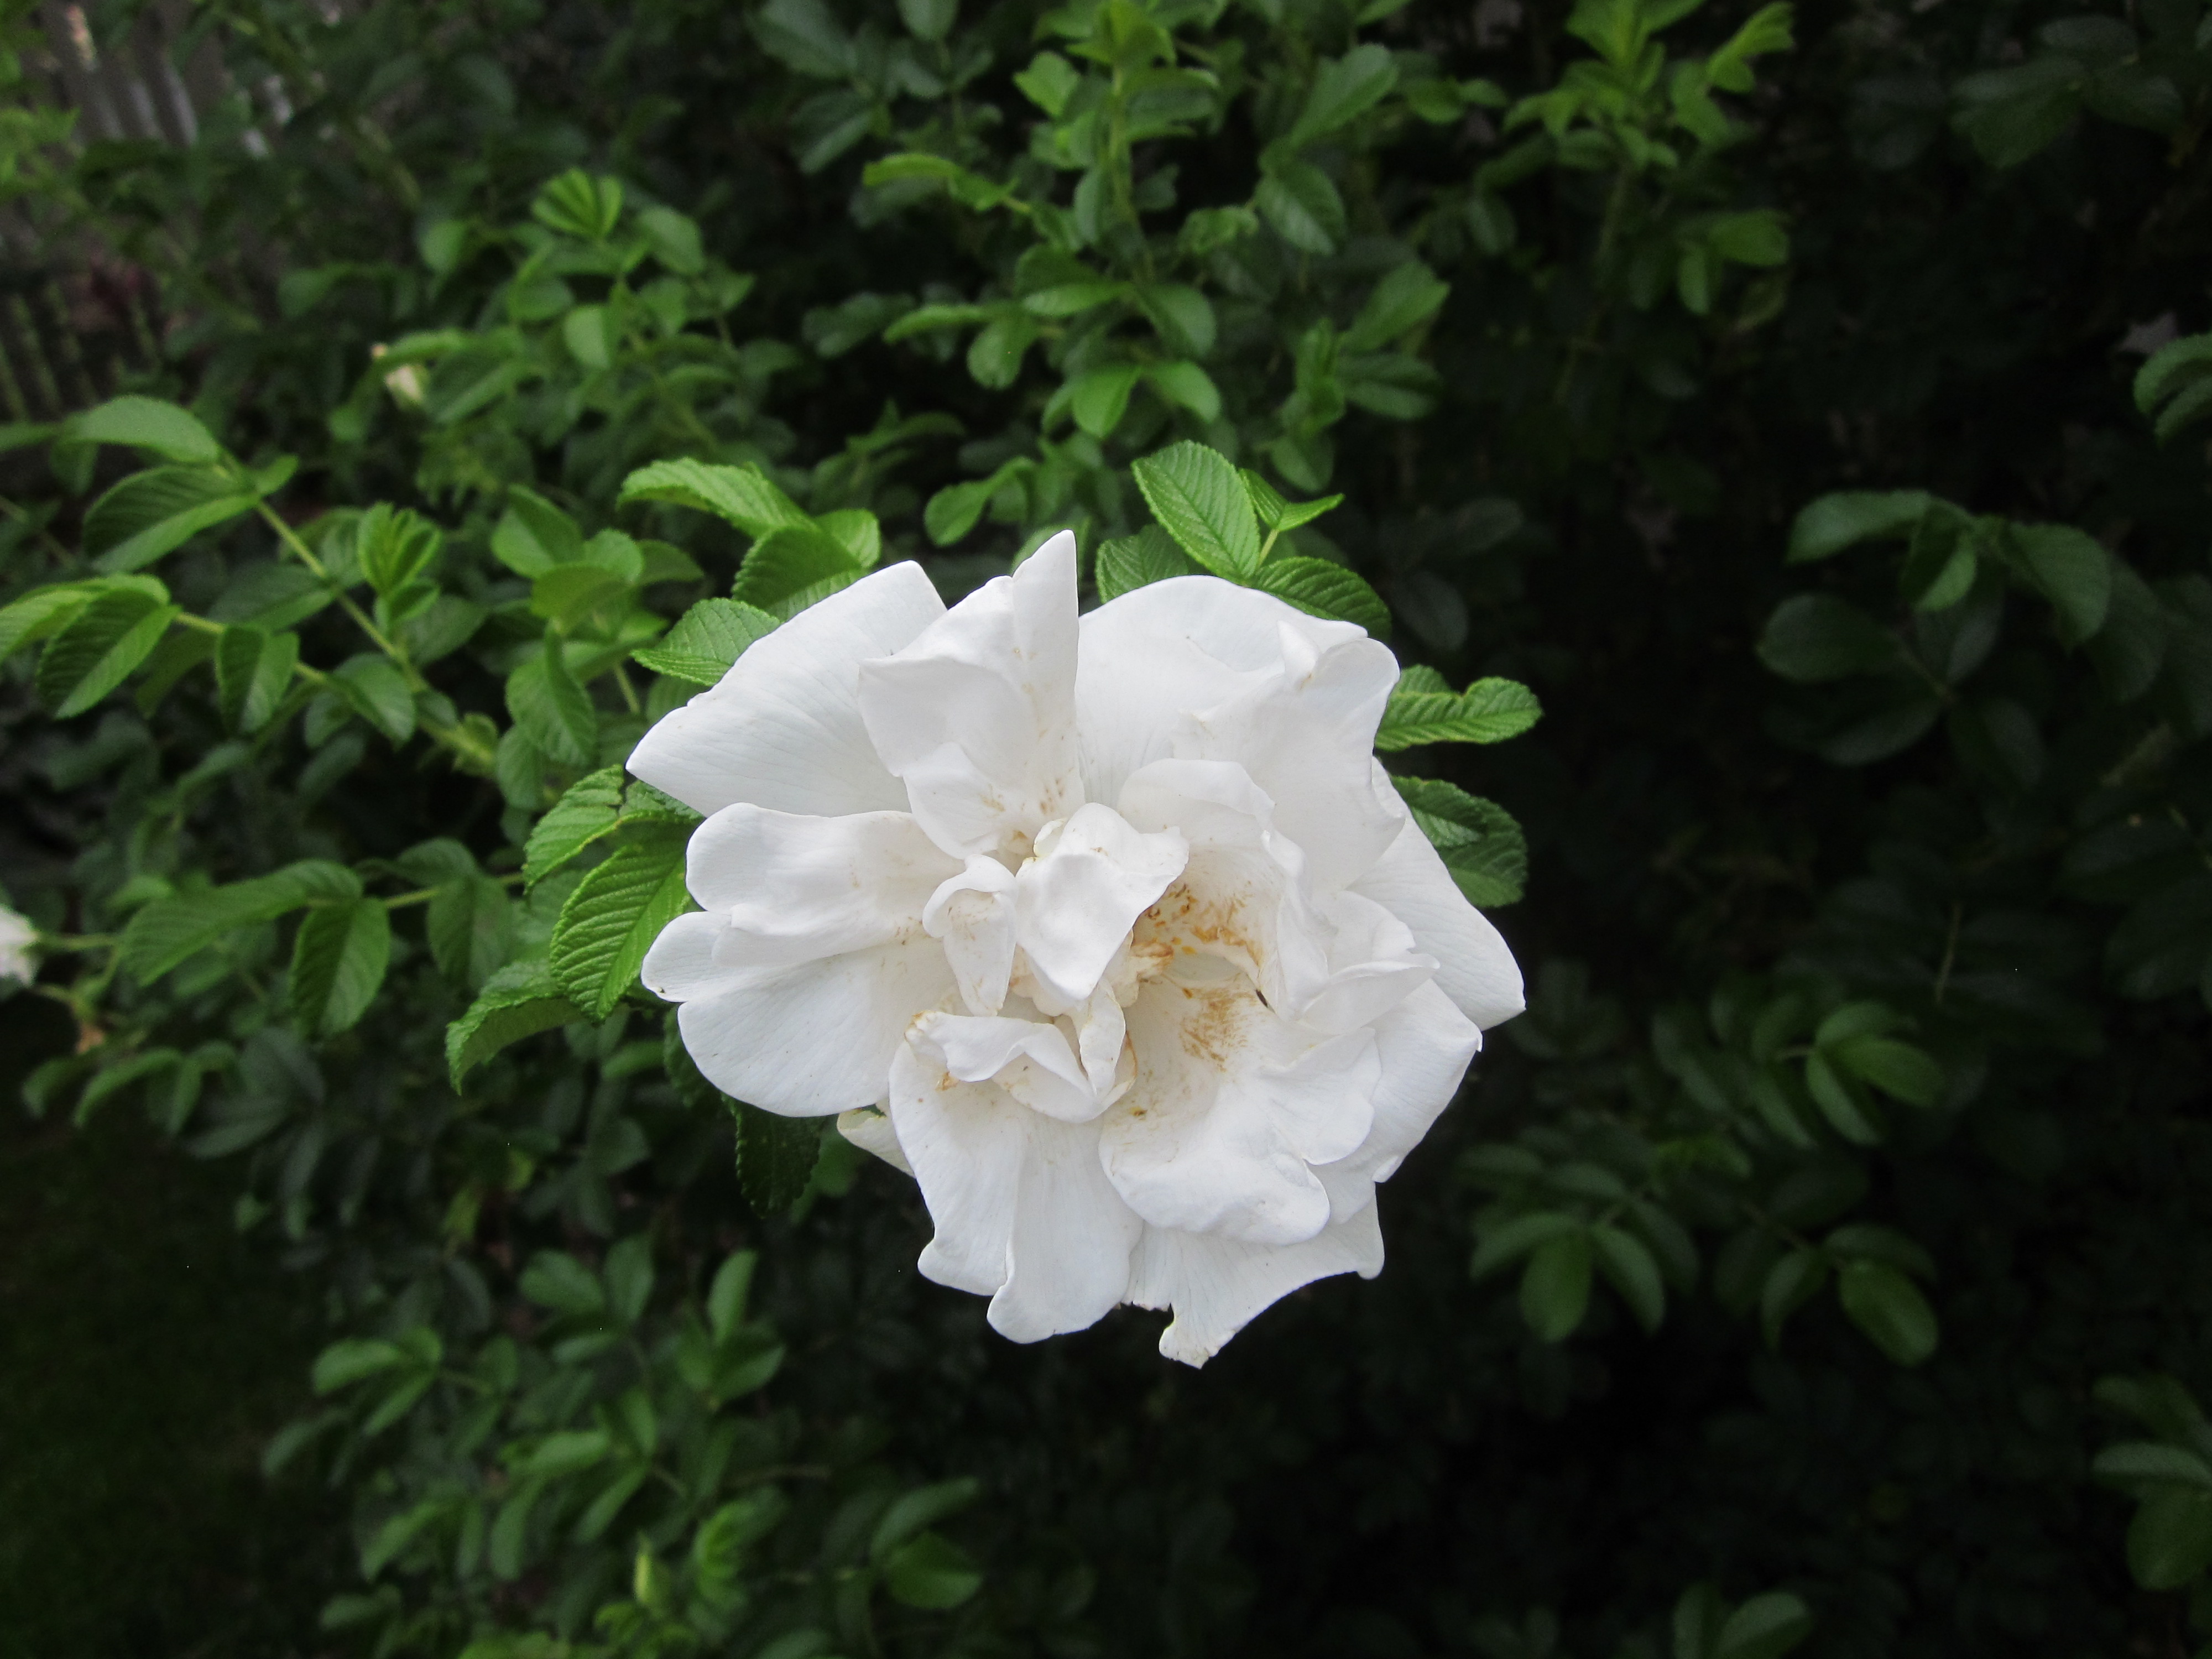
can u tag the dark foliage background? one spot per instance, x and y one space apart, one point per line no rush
1869 923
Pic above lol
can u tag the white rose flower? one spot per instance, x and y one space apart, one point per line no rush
1110 929
19 962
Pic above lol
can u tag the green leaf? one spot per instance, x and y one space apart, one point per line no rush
791 569
470 923
582 815
1300 202
1343 90
337 964
97 649
252 671
911 1512
776 1157
613 918
1276 514
1555 1287
46 611
1889 1307
1764 1627
1199 499
375 688
553 711
2137 1460
519 1001
533 536
1825 527
805 35
1128 563
1813 638
2071 570
1480 842
2170 1540
1489 711
1629 1267
578 205
628 1273
148 423
931 1572
1185 386
344 1363
1895 1068
151 513
742 496
1182 316
1328 591
1841 1101
165 932
1500 1246
1407 296
1100 397
1790 1283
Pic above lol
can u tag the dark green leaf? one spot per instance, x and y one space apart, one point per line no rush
776 1156
2170 1540
1812 637
519 1001
1630 1268
253 672
1299 202
1480 844
375 688
150 514
1764 1627
1825 527
533 536
148 423
1889 1307
1555 1287
553 711
931 1572
337 964
789 569
2071 570
582 815
168 931
97 649
1128 563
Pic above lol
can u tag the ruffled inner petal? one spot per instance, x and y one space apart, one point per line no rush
1075 902
1196 1143
783 728
973 914
1022 1211
793 888
977 716
1029 1059
1218 1286
804 1040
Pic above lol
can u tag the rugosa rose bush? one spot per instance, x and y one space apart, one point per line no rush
1108 928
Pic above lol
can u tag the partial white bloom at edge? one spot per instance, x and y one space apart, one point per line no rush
19 958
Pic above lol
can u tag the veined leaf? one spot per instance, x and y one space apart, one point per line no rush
150 514
148 423
337 964
1325 590
96 649
1199 499
579 818
613 918
706 640
168 931
1132 561
1489 711
743 495
553 711
1477 840
519 1001
791 568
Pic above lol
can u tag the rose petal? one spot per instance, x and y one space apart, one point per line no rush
1023 1213
1028 1059
870 1128
1217 1285
792 888
1075 902
805 1040
1195 1145
1200 669
1425 1045
973 914
783 728
976 715
1475 969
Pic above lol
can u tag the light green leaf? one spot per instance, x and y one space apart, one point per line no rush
148 423
1199 499
1100 397
1489 711
337 964
533 536
582 815
742 496
1277 515
1187 386
1328 591
706 640
791 568
612 919
1127 562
